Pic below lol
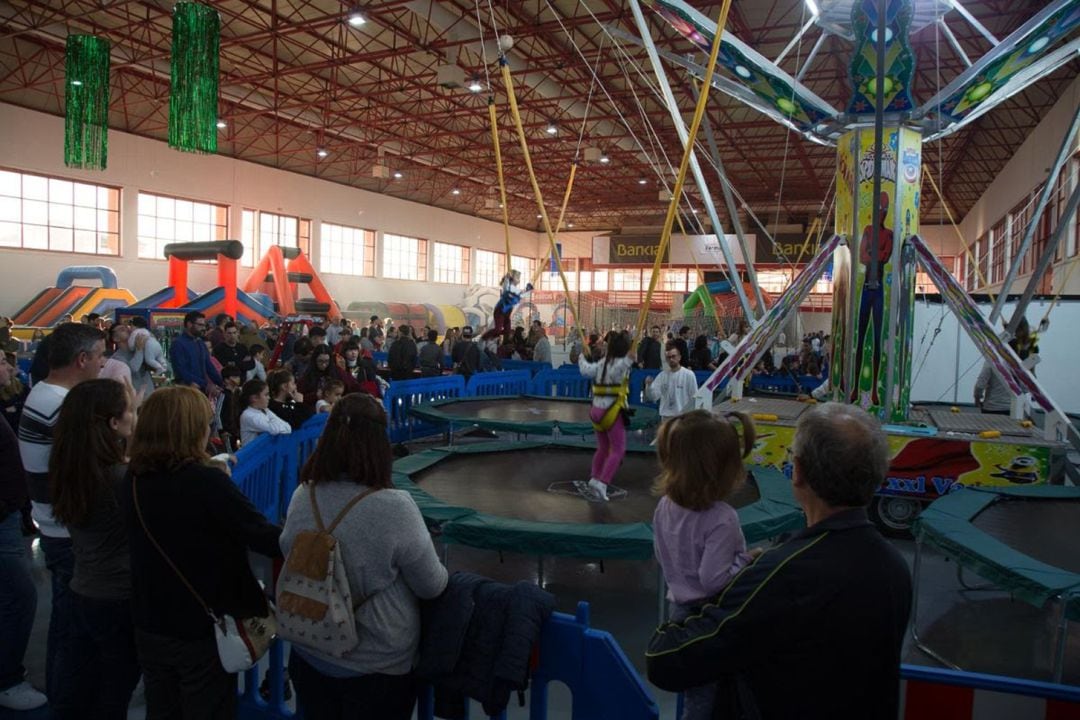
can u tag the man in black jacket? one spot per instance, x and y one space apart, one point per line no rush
402 356
651 350
812 629
231 353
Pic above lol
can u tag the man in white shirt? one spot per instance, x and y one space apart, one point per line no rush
541 345
674 387
76 354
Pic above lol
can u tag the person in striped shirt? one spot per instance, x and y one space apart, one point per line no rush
76 354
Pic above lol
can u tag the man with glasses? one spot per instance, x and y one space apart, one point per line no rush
191 360
675 387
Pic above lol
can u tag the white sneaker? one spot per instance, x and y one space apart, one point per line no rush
22 697
599 488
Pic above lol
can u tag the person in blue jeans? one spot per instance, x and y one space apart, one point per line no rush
97 666
18 596
76 354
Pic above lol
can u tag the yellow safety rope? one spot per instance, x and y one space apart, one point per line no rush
502 184
509 83
669 221
562 214
967 251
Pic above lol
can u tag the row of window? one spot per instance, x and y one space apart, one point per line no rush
46 213
985 260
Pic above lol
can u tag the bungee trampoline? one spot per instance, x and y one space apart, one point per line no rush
506 497
1015 538
522 414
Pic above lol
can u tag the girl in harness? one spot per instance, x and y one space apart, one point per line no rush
610 390
509 297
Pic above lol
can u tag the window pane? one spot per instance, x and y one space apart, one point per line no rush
10 183
10 209
61 191
36 237
35 188
10 234
35 212
85 195
61 239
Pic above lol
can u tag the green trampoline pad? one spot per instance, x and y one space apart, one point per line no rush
1020 538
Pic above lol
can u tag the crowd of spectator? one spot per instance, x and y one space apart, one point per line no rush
147 539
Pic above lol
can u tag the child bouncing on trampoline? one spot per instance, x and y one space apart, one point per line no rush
509 297
696 534
611 378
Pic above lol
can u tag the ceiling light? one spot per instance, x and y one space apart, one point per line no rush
475 85
221 125
455 191
538 217
642 181
604 159
322 152
569 225
77 83
398 175
356 18
812 6
552 129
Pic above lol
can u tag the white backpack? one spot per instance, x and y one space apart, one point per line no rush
315 605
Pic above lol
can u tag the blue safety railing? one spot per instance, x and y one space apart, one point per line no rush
559 383
404 394
508 382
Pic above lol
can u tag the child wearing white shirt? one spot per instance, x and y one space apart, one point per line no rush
257 419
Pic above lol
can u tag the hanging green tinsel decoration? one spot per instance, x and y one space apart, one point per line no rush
86 106
193 95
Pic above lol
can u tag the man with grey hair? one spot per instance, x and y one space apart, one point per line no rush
813 628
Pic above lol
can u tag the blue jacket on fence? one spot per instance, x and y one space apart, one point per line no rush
477 641
191 362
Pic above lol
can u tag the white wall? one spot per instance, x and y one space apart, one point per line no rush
945 369
1028 167
33 142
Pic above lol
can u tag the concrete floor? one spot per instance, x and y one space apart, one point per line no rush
985 631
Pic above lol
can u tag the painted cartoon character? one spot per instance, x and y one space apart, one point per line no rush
871 305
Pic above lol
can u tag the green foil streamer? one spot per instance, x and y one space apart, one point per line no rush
193 95
86 106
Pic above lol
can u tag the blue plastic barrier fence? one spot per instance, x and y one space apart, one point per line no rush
513 382
603 682
258 472
380 358
532 367
403 394
637 387
559 383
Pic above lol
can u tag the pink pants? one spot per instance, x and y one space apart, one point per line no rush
610 447
502 327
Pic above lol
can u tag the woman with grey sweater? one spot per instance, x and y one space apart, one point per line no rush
390 562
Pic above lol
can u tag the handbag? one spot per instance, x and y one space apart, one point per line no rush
240 641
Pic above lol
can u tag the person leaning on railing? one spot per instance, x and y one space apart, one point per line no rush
205 526
389 560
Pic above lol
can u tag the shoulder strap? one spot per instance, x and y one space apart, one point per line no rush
341 515
168 560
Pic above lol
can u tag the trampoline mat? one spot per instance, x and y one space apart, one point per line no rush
974 422
782 408
514 484
521 410
1040 529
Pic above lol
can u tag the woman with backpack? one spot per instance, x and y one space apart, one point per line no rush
390 565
